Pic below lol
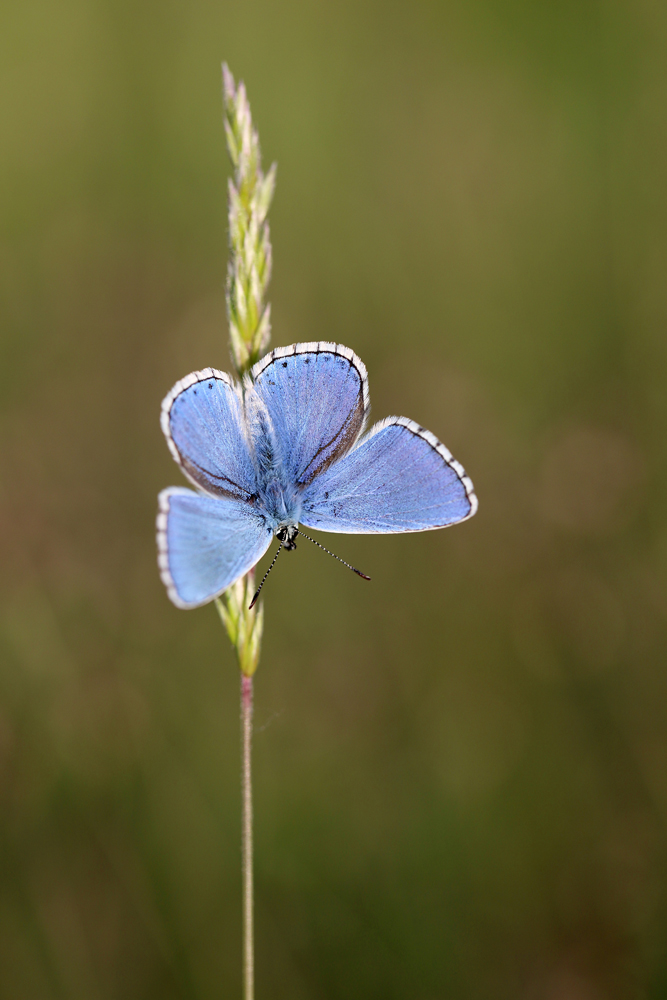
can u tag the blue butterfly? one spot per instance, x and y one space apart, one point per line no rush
286 448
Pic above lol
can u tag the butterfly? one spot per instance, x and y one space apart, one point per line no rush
286 448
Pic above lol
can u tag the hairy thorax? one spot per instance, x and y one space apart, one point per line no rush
281 502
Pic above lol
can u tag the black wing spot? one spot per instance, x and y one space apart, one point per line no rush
326 496
195 392
210 385
306 361
284 364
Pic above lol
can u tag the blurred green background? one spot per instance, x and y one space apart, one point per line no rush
461 768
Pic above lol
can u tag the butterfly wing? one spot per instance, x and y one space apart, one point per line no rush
316 396
202 420
205 543
398 478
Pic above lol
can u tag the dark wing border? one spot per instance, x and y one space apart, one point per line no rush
445 453
194 378
362 408
162 545
319 347
161 523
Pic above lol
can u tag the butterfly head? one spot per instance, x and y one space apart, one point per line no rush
287 535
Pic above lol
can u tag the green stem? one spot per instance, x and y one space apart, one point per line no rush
246 838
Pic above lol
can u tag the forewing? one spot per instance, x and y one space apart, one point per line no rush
206 543
316 396
202 419
398 478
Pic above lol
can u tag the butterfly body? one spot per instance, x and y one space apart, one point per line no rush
278 501
286 448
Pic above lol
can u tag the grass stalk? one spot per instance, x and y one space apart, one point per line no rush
249 316
246 839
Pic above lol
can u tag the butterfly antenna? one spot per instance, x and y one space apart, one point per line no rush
252 603
357 571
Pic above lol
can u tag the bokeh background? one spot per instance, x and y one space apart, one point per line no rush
461 768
